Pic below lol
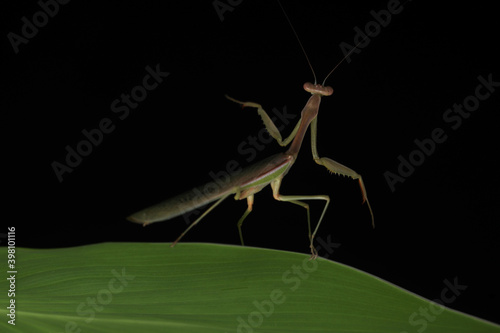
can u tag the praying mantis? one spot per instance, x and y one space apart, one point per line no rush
269 171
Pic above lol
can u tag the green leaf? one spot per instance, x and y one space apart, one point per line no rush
136 287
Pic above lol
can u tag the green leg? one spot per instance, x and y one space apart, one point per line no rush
240 222
295 200
268 123
336 167
199 219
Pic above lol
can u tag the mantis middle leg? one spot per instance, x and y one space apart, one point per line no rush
295 199
248 211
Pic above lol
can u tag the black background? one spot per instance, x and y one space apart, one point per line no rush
441 223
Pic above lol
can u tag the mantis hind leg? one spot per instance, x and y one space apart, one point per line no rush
295 199
199 219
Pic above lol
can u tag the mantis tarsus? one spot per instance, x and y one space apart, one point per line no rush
269 171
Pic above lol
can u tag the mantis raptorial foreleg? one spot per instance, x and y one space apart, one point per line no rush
268 123
336 167
295 199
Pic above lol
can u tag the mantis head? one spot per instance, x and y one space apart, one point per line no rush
318 89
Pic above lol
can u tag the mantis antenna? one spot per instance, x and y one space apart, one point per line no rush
298 39
344 58
305 53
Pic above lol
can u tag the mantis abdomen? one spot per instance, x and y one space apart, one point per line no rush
245 183
182 203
